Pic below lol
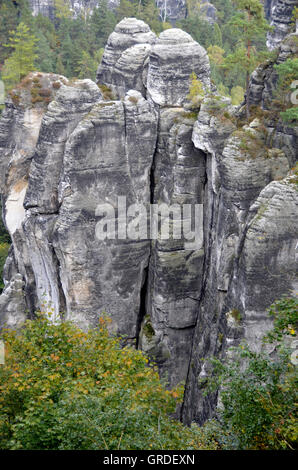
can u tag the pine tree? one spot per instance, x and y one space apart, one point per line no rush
45 59
87 66
102 23
62 9
252 26
127 9
21 61
60 69
217 35
285 95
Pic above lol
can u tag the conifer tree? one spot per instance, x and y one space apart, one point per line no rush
21 61
252 26
62 9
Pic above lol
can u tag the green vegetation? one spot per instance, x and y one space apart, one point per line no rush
68 46
74 46
62 388
236 315
235 44
196 91
250 24
21 60
106 92
259 392
56 376
285 97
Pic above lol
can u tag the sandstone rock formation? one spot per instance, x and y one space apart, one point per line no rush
279 14
125 59
67 155
168 85
250 225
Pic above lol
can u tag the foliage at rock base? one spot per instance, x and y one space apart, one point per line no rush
258 390
62 388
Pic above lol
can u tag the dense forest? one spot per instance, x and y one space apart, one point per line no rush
73 46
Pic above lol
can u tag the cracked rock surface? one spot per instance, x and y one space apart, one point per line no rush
65 160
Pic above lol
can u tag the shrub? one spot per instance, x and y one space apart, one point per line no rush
45 92
56 85
62 388
258 392
196 91
133 100
107 93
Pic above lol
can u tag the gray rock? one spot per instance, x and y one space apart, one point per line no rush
123 65
109 154
263 84
62 162
172 10
209 12
238 288
12 304
279 13
267 267
175 272
72 103
168 85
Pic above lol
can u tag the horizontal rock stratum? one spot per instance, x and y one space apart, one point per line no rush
82 145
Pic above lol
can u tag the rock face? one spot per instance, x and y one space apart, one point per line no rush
125 59
168 85
170 10
263 84
209 12
70 152
135 58
46 7
249 239
279 13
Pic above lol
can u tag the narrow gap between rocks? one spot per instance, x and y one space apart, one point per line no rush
143 299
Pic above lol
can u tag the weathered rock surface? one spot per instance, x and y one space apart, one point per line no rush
63 159
19 132
175 272
263 85
208 11
88 152
172 10
243 219
279 13
135 59
124 62
167 84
